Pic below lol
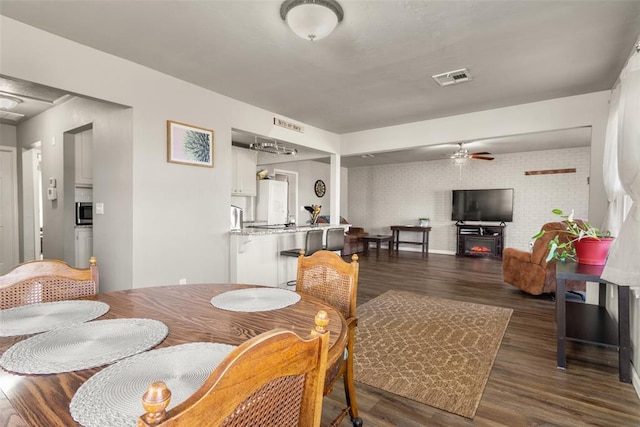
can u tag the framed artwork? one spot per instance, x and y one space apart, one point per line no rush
189 145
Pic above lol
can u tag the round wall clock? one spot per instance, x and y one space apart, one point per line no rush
320 188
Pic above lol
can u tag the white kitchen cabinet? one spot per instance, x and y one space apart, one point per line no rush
243 172
84 157
84 246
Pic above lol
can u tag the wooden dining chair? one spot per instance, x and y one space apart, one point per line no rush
327 276
274 379
46 281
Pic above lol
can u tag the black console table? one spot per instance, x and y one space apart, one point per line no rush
480 240
395 240
590 323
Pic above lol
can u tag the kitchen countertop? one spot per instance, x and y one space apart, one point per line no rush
247 231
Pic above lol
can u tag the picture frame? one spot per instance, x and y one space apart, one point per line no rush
189 145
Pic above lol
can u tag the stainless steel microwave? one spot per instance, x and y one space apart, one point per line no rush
84 213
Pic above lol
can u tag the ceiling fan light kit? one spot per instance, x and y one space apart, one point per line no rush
311 19
461 156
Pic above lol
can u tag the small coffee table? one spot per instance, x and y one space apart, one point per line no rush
377 240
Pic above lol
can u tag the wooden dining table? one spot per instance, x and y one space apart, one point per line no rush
43 400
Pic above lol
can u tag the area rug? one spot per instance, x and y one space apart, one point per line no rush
436 351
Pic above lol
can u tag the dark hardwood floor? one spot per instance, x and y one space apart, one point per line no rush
525 388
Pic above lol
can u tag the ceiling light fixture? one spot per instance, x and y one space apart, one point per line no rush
272 147
9 102
459 160
311 19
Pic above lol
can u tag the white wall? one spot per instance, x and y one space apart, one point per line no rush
8 135
179 214
309 172
562 113
399 194
112 175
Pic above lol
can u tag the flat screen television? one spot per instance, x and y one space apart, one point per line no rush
483 205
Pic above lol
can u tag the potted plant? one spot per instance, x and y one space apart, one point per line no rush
585 244
424 221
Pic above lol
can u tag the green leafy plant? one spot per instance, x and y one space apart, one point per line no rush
426 218
576 231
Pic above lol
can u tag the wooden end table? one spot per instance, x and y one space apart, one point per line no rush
590 323
377 239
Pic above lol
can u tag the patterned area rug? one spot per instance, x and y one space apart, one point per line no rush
432 350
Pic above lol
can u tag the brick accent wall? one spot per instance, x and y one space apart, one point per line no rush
398 194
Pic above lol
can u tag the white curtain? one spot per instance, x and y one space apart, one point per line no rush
612 185
622 266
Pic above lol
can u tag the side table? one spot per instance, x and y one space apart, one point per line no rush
590 323
377 240
396 229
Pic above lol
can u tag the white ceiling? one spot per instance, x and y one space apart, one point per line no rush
375 69
35 99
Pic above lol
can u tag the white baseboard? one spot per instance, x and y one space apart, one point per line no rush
417 248
635 380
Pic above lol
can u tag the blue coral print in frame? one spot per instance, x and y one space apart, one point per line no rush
189 145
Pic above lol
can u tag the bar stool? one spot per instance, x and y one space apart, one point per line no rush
313 243
335 239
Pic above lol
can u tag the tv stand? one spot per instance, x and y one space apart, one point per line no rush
480 239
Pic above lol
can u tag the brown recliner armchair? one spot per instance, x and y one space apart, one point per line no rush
529 271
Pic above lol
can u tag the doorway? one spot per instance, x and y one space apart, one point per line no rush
292 195
32 203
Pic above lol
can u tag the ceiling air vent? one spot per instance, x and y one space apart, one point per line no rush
452 77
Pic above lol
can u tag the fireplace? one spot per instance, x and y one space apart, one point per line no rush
480 240
479 245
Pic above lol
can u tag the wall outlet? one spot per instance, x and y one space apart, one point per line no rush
99 208
182 282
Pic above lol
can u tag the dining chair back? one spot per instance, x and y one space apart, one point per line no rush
327 276
335 239
313 243
274 379
46 281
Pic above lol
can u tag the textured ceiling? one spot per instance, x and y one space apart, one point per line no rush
375 69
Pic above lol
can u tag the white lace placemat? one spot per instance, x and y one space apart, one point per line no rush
113 396
255 299
83 346
46 316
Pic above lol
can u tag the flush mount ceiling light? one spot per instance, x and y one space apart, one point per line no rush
311 19
9 102
272 147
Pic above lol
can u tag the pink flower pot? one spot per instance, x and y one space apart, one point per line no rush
592 251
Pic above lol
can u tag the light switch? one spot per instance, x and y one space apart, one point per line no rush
99 208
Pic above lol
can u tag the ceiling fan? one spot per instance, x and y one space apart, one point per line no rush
462 155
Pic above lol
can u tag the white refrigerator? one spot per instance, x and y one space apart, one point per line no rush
272 202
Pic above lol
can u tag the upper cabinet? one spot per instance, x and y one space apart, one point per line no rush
84 157
243 171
